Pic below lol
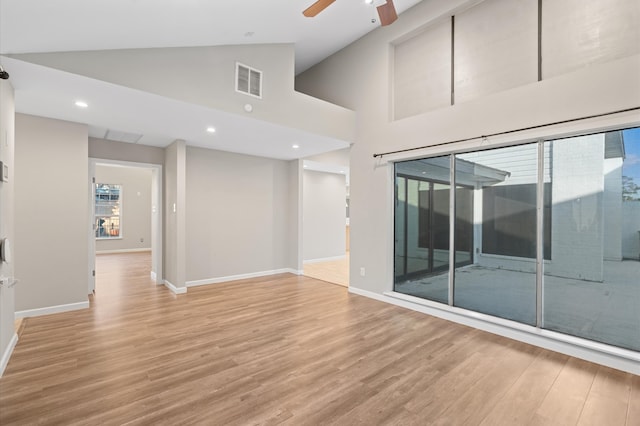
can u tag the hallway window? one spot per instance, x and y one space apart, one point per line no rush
107 210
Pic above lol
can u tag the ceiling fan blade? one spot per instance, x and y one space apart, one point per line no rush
387 13
316 8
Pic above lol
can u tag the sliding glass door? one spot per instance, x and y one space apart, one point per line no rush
545 234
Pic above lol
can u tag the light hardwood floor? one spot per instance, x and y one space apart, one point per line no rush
333 271
287 350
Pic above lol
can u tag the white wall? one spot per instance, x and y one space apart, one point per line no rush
135 220
324 215
123 151
631 230
238 217
359 77
613 209
206 76
51 221
577 217
175 216
7 294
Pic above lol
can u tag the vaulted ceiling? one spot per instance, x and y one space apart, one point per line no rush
28 26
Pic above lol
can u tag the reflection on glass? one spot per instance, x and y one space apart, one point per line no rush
496 232
591 284
422 228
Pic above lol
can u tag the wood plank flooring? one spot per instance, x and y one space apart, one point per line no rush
333 271
287 350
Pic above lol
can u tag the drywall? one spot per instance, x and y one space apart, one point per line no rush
123 151
238 217
206 76
324 215
359 78
51 220
339 157
7 294
135 211
175 216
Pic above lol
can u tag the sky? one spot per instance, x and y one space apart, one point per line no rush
631 165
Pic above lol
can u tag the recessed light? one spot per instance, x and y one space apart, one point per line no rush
295 146
82 104
305 166
211 129
368 1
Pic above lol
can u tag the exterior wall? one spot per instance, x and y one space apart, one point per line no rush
613 209
631 230
7 202
51 223
135 220
577 219
238 217
324 216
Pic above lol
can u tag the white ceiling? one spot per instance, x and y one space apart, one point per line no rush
28 26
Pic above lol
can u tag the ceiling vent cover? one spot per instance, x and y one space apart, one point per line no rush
118 136
248 80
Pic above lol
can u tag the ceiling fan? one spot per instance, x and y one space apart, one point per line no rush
386 10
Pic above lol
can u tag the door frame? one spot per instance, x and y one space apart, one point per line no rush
156 217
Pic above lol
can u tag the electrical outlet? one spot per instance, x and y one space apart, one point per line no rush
142 240
362 271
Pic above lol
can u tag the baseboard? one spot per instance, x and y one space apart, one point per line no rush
134 250
325 259
218 280
7 353
174 289
599 353
52 310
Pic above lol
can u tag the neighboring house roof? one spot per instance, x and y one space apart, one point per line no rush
614 145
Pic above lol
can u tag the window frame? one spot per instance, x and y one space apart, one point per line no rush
97 216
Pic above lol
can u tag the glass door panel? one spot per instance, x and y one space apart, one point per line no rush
422 228
496 232
591 284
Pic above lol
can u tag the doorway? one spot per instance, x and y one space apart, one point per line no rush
125 214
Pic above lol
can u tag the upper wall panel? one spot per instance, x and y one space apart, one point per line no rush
578 33
499 45
490 58
422 71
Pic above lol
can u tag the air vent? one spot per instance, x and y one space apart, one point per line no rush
115 135
248 80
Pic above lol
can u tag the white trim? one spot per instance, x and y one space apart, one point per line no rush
218 280
174 289
135 250
52 310
7 353
610 356
154 277
324 259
